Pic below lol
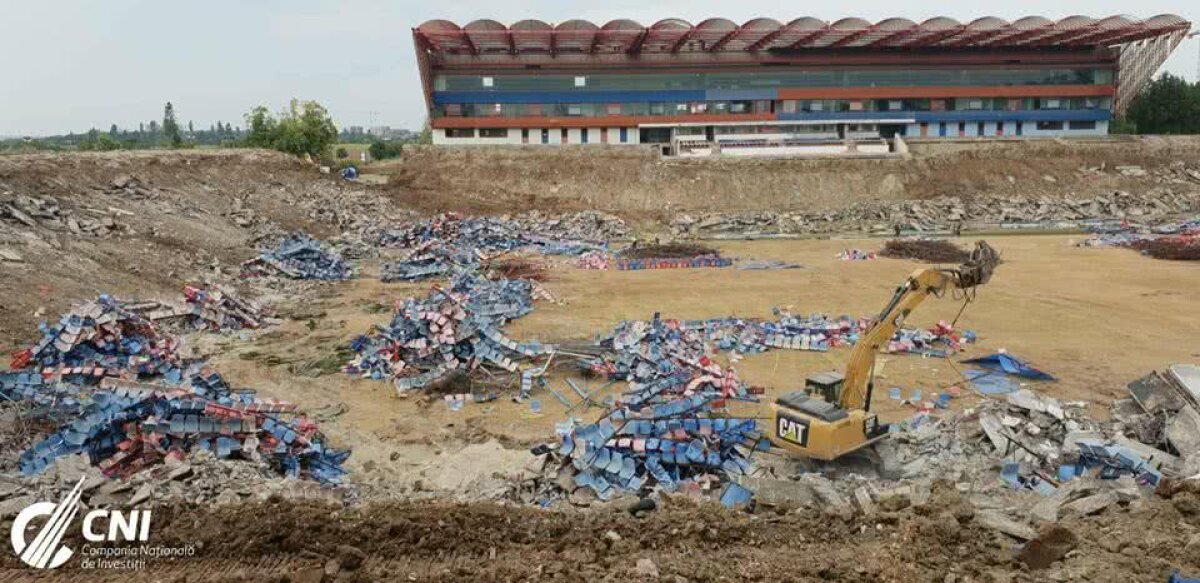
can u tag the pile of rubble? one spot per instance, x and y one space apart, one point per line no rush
450 242
298 257
127 185
1162 240
942 214
205 307
121 394
98 339
454 329
670 430
125 426
46 212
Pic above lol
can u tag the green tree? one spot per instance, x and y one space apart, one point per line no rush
170 126
426 135
305 128
1167 105
381 150
261 128
341 153
94 141
113 131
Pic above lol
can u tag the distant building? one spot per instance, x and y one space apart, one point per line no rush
718 82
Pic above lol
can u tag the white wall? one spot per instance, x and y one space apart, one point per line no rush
574 136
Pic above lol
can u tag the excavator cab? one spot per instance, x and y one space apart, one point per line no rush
810 424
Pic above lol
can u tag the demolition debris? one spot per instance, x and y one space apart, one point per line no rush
298 257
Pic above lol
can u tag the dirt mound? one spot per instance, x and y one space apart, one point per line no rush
138 224
936 541
927 250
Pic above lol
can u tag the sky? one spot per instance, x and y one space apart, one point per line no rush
71 65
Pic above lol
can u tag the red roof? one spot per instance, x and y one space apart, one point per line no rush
673 35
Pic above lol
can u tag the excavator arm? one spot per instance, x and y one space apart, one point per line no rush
857 387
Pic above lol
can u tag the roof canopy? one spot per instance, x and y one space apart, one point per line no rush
673 35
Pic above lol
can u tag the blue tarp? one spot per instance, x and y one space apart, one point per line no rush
991 382
1009 364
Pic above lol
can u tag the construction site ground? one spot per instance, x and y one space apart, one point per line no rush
1095 318
1095 329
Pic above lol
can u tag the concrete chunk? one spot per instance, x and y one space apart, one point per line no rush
1091 504
1000 523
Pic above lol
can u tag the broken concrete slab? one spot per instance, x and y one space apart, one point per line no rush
1183 432
13 506
780 492
1090 504
825 491
1153 393
998 522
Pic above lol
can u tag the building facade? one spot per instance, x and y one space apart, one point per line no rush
807 81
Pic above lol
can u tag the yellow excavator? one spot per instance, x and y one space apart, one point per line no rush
841 421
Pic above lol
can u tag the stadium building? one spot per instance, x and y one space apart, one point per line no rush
767 84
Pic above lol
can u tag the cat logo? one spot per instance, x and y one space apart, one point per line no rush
792 430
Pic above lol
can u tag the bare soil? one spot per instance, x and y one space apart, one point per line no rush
627 180
684 541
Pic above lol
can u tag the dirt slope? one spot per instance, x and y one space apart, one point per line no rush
179 216
628 180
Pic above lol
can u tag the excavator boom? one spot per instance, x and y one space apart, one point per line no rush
920 284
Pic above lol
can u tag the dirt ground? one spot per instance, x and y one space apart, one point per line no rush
1095 318
935 542
1095 329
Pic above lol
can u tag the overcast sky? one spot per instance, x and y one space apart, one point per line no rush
76 64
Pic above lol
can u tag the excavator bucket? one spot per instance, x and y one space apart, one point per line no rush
978 269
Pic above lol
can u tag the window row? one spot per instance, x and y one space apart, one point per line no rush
768 106
544 135
772 79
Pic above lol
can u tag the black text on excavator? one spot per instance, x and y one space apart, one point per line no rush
842 422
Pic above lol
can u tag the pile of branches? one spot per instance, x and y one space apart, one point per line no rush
668 251
927 250
1172 248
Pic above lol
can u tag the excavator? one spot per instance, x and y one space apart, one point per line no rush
840 421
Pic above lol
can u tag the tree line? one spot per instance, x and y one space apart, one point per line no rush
1166 105
304 128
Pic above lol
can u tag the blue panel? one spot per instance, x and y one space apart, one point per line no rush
952 116
444 97
740 94
1033 115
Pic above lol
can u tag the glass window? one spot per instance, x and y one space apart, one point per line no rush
574 109
460 132
493 132
1049 125
1083 125
583 136
775 78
